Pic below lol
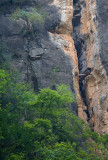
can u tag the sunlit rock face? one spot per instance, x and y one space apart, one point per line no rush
99 102
91 36
63 37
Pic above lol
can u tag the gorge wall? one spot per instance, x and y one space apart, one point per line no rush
72 37
89 37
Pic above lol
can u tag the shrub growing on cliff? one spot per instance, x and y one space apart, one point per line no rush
29 17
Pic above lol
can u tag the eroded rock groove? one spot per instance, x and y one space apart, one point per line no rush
80 45
88 40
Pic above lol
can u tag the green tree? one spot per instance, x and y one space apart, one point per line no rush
42 126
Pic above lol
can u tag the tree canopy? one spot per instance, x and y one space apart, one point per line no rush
42 127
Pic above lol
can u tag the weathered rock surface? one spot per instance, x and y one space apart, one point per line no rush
90 37
72 38
45 58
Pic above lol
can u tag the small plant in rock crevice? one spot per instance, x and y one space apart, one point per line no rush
29 17
52 74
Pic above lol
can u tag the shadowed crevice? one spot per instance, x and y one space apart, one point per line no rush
80 45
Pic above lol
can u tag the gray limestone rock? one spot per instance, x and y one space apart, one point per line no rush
10 27
38 59
36 53
102 8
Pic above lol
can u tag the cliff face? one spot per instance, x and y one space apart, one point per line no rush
72 38
45 57
90 45
89 40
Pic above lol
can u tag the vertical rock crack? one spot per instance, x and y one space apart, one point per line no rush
80 45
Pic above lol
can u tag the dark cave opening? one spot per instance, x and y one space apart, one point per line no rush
35 84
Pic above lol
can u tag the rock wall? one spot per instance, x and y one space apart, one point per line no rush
72 37
89 44
63 37
45 57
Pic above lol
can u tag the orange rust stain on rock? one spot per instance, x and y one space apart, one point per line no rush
96 85
64 32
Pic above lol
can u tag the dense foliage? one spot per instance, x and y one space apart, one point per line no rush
31 16
41 127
